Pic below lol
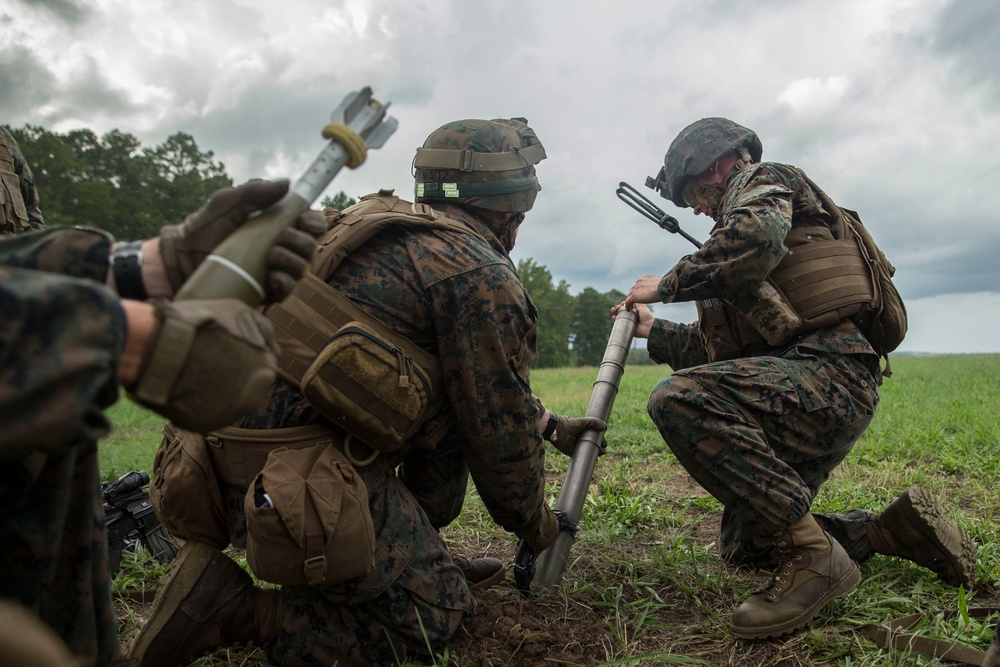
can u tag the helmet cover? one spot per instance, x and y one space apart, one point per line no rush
696 149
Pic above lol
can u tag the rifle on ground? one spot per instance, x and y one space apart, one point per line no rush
237 268
131 521
537 572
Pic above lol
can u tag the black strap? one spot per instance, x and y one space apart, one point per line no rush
126 267
550 426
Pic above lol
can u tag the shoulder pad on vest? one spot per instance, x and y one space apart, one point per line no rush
350 228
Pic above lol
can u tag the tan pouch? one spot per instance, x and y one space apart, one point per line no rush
369 387
308 520
184 492
717 331
770 314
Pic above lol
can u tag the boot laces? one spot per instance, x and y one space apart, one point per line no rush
783 573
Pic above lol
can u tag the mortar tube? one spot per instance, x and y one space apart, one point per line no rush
551 563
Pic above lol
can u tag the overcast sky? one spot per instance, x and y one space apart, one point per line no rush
890 105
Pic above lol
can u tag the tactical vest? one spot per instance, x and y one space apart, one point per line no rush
826 277
315 313
13 213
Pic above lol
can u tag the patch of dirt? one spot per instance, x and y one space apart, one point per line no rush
580 628
629 603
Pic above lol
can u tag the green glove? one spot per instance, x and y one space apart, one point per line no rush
184 246
564 431
208 363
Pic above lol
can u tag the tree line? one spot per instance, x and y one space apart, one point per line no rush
113 183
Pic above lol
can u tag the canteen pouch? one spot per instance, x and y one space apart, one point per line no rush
368 387
184 492
308 520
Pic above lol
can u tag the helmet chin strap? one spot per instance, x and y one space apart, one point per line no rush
716 192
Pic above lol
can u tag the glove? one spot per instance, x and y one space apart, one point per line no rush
527 555
568 429
208 362
184 246
546 533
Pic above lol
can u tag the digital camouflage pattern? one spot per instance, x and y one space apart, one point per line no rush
19 211
767 199
762 432
513 190
61 338
460 298
61 335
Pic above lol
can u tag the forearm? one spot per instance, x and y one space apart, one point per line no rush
61 357
511 485
740 253
677 345
140 320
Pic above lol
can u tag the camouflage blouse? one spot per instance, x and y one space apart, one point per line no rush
61 338
760 206
460 298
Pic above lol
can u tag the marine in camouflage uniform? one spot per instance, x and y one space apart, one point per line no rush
65 339
62 338
19 210
454 294
761 425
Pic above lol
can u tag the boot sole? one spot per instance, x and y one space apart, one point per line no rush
926 514
172 593
845 586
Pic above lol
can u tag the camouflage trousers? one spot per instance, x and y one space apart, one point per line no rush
762 434
438 479
412 603
54 558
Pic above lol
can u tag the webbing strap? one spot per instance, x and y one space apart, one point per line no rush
440 190
335 310
893 635
6 159
468 160
170 352
825 276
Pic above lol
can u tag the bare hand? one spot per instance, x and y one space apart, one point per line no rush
645 323
643 291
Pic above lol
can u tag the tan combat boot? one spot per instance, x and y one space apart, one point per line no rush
480 573
205 601
814 570
915 527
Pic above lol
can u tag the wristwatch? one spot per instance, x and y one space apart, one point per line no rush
550 427
126 267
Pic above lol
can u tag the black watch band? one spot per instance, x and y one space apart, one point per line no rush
550 426
126 267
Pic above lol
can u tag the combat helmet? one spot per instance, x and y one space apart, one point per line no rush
696 149
488 164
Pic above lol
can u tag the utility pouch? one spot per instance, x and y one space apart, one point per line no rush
770 314
717 331
369 387
184 492
12 203
308 520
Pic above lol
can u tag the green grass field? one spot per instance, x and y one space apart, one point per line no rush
643 564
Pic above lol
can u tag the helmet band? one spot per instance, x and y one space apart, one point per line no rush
443 190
